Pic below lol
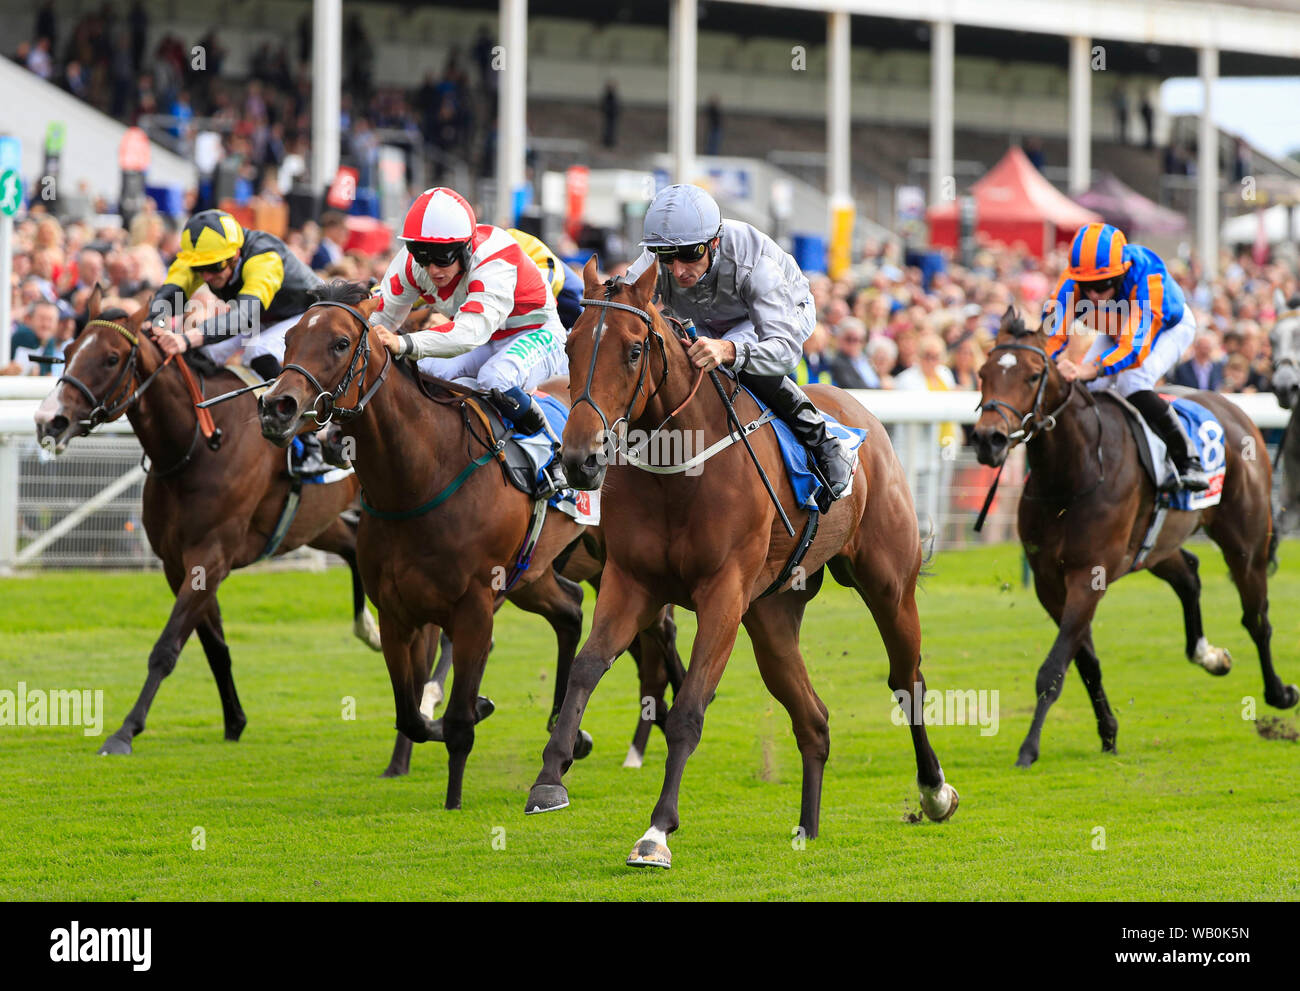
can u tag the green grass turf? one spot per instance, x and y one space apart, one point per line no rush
1196 805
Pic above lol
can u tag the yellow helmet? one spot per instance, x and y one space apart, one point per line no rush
210 237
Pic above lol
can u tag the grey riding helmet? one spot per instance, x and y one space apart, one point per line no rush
679 215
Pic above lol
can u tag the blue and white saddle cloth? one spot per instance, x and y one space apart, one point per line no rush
795 455
1206 433
582 506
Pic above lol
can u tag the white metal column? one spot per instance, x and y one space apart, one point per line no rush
326 90
682 17
8 503
1207 170
838 110
1080 114
513 102
941 112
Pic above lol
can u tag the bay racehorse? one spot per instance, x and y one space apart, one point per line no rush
206 512
440 529
1085 510
711 542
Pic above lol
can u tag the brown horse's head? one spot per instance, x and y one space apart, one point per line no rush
324 342
609 370
1017 380
99 372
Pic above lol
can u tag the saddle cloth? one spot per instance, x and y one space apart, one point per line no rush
797 457
1206 433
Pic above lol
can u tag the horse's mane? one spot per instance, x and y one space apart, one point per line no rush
341 291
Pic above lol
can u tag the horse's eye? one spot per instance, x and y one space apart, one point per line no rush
634 353
1035 377
113 359
341 345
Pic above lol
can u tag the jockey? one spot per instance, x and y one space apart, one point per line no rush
565 283
753 308
263 281
1143 327
505 335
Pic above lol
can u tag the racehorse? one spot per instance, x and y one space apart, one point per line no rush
1285 342
438 534
710 542
206 512
1085 510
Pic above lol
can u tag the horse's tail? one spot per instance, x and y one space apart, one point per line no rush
928 539
1273 540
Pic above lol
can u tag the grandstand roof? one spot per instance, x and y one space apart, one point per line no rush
882 33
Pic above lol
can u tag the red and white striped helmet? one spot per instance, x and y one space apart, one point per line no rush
439 216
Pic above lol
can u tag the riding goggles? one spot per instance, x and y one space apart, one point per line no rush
1101 285
680 252
439 255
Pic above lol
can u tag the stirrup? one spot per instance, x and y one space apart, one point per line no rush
553 478
312 461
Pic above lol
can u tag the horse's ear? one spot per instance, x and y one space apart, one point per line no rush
645 285
1009 321
95 303
367 306
590 277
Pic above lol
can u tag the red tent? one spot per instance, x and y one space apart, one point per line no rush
1013 203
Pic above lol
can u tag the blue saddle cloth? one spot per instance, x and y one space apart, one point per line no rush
538 445
1206 433
796 456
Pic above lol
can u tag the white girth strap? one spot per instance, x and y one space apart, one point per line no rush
703 456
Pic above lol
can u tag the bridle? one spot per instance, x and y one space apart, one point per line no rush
643 363
357 365
1030 425
105 410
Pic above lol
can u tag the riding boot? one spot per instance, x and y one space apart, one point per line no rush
526 414
790 403
1165 422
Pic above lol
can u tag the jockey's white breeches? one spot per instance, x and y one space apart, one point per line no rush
524 360
269 340
1164 354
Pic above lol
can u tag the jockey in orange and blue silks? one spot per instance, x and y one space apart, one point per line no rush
1143 327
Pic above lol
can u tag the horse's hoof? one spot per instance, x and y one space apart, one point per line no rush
1290 696
582 745
634 757
1215 660
546 798
365 629
393 771
651 851
483 708
939 803
115 745
235 730
431 698
1025 760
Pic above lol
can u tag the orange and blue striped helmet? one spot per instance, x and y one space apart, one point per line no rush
1097 253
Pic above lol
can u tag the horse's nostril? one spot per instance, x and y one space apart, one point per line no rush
591 464
59 424
284 406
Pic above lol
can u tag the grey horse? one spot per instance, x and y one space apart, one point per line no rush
1285 340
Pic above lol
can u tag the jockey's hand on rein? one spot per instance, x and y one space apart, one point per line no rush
171 344
708 354
388 339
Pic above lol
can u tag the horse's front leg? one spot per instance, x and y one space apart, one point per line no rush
622 608
203 569
1081 600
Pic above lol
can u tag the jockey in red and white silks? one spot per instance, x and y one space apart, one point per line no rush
505 334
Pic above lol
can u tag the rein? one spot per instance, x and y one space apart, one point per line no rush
359 362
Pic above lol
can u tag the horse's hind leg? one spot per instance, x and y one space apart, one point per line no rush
658 665
471 634
426 643
559 601
213 638
773 627
889 590
1181 572
341 538
434 688
1249 567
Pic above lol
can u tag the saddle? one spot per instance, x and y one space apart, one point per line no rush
487 425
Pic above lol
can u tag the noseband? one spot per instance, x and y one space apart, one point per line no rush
358 364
